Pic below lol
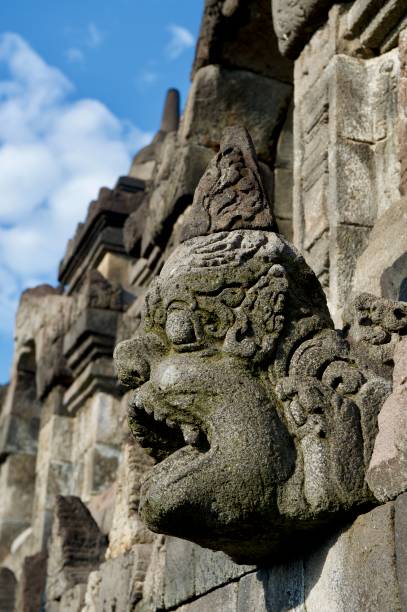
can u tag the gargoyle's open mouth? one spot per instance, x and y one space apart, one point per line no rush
161 436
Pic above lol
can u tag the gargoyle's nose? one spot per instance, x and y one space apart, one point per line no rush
133 359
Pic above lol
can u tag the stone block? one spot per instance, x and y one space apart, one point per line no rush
115 268
381 268
76 548
224 599
102 508
191 571
8 586
365 156
21 547
278 588
347 243
55 440
361 13
237 34
386 18
53 404
153 587
73 599
296 21
100 468
355 570
98 375
95 321
104 410
221 98
400 538
387 473
102 230
180 168
18 434
127 528
402 112
317 257
283 179
355 197
17 478
31 588
134 227
117 584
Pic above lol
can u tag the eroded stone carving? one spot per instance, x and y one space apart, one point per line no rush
230 195
260 418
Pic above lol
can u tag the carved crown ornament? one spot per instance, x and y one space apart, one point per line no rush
260 415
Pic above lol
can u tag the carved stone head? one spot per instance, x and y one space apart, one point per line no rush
259 419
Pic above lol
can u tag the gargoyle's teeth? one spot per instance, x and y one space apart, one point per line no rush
190 433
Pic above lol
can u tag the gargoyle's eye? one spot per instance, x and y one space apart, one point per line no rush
179 327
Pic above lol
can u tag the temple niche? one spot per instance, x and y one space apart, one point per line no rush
247 451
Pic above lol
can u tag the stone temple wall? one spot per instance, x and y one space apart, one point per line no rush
322 89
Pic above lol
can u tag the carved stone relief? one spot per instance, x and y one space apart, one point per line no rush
258 414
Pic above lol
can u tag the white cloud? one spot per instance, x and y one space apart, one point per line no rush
95 36
74 55
181 39
55 154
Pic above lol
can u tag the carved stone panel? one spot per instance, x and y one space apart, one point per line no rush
257 412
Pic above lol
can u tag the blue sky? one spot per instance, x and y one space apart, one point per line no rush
82 85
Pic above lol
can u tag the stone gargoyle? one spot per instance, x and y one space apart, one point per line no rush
260 415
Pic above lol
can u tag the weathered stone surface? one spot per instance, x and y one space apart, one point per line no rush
283 179
102 230
144 162
100 464
133 229
230 195
117 585
237 34
224 599
376 23
387 474
31 588
97 376
8 585
296 21
171 112
73 599
179 170
226 308
102 508
54 473
375 328
334 113
42 319
238 361
400 539
189 571
127 528
278 588
19 418
18 435
17 476
77 546
357 569
402 108
381 268
222 98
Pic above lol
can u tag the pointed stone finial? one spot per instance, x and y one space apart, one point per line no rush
231 194
170 116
